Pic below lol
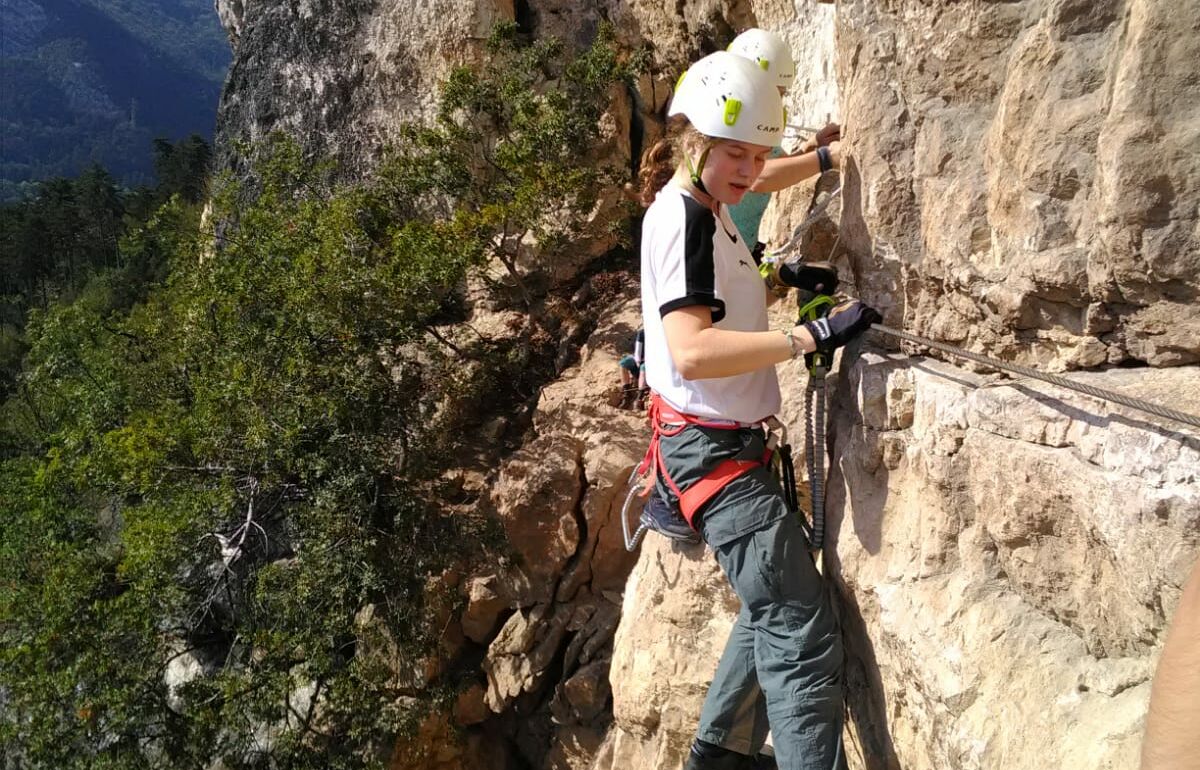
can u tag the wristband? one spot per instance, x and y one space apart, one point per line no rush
791 341
824 159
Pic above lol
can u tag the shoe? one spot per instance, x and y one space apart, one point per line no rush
729 761
661 516
707 756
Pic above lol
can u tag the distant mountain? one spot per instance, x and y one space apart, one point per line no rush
85 81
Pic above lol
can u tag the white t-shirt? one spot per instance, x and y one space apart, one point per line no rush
690 257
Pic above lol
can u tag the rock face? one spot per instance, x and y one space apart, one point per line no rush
678 609
548 611
1023 174
341 75
1006 556
1009 554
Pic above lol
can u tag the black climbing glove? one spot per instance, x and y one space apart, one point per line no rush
817 277
845 321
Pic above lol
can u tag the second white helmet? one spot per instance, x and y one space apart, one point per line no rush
726 96
769 51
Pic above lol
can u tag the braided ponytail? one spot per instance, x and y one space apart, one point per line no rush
661 160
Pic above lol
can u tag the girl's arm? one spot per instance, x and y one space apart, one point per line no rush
780 173
701 351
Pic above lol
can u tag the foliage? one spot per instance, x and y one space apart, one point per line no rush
221 498
182 167
514 136
74 232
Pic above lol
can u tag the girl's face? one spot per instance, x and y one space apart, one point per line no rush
730 169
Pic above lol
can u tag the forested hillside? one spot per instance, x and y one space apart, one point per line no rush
95 81
69 233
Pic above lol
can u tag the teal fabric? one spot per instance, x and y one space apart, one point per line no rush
782 665
748 214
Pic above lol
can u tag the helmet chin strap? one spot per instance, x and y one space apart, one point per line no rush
695 170
696 184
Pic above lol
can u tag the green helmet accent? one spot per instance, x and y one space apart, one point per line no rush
694 171
733 108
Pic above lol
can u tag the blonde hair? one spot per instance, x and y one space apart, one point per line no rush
660 161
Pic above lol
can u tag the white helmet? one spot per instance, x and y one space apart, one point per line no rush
768 51
727 97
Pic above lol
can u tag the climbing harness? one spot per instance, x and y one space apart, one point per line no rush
1063 382
667 421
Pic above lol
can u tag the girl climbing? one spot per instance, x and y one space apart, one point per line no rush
710 360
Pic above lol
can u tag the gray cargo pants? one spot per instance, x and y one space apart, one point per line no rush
782 665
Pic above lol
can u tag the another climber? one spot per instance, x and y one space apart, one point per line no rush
818 154
633 375
713 385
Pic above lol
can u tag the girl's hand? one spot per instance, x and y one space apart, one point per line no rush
831 133
845 321
835 154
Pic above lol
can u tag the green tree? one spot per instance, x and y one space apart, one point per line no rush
100 211
182 167
513 153
233 471
75 232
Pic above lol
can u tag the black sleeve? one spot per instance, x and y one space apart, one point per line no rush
699 228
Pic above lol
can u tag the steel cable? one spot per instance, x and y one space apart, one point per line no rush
1132 402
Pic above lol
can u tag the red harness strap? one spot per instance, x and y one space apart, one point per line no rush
667 421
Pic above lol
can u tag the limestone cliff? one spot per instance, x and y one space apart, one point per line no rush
341 75
1021 179
1009 555
1023 174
